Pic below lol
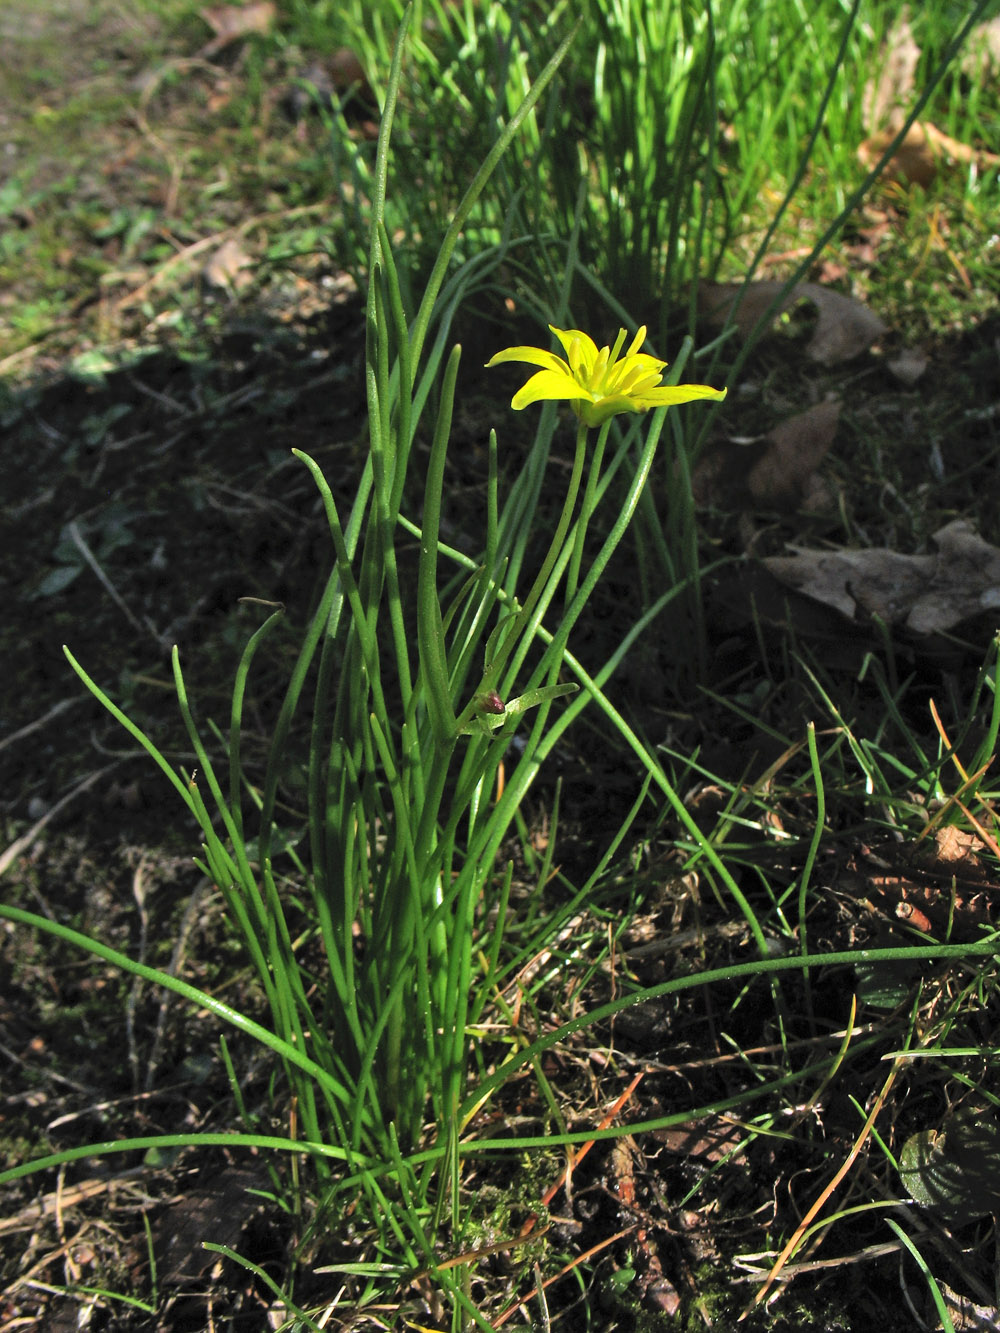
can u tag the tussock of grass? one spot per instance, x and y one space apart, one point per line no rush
761 873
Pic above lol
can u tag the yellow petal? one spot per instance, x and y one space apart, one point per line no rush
532 356
549 385
672 395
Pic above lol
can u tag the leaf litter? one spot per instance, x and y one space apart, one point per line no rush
924 150
845 327
775 472
924 594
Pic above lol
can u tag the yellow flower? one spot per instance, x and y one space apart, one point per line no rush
599 384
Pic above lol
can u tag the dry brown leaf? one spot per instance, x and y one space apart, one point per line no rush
217 1212
709 1140
953 844
924 149
922 153
845 328
231 22
322 81
883 583
777 472
227 267
925 594
717 302
782 477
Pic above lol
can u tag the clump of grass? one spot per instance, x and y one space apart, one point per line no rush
765 945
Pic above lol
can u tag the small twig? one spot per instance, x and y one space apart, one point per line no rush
556 1277
839 1261
824 1194
29 1216
139 894
50 1074
40 722
80 543
22 844
173 968
196 248
576 1158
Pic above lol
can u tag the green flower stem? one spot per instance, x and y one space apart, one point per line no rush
586 512
511 629
537 748
430 632
236 722
387 468
814 843
559 537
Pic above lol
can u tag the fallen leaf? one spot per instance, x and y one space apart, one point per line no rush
795 449
966 1315
710 1140
940 887
218 1213
923 151
742 303
879 583
924 594
227 267
323 81
844 329
231 22
952 844
777 472
954 1170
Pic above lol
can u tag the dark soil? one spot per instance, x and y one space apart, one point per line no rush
140 507
175 476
